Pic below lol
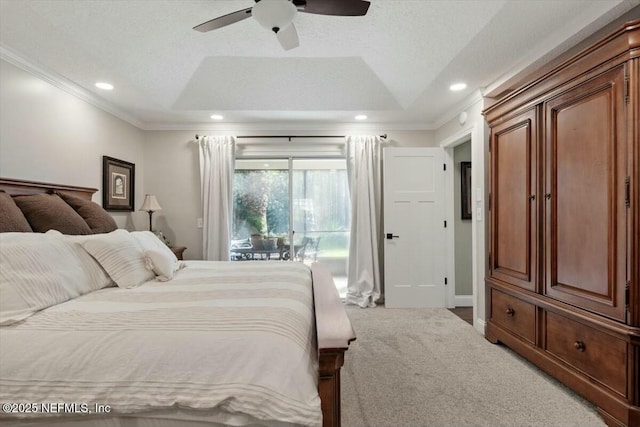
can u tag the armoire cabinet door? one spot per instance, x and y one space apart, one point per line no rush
513 199
585 213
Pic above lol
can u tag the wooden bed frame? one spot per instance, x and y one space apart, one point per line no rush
333 327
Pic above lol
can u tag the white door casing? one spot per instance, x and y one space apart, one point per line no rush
414 262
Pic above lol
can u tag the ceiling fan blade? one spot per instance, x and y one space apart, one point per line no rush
288 37
333 7
223 21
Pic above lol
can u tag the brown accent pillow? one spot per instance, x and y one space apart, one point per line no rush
11 217
96 218
48 211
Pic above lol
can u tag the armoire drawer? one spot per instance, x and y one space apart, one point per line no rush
599 355
515 315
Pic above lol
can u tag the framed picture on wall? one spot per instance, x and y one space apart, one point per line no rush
118 184
465 190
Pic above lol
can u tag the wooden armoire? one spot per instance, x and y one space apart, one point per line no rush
564 257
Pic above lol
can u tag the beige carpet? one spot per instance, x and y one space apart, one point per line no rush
427 367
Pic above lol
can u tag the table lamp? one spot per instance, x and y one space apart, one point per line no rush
150 205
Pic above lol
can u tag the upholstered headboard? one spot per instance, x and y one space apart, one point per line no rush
27 206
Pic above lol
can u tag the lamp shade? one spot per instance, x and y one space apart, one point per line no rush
150 203
274 13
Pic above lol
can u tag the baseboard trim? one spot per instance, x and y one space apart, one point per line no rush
463 300
480 326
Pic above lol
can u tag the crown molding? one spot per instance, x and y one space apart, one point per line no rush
66 85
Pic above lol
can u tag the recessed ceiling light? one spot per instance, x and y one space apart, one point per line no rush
361 117
104 86
457 86
217 117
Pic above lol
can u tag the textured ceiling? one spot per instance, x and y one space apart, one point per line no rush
394 64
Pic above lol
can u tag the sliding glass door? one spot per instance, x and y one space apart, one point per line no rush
321 213
292 209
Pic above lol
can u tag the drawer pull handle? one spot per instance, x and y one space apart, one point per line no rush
510 311
579 345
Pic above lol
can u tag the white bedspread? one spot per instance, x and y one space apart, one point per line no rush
236 337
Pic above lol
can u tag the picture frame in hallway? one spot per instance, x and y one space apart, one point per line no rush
118 184
465 190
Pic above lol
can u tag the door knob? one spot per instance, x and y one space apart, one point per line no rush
390 236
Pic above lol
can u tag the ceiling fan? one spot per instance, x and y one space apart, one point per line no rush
278 15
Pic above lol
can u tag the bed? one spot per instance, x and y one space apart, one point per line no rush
218 344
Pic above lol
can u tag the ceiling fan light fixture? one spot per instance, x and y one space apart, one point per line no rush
274 15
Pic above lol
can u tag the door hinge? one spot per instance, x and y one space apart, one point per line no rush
444 166
626 88
445 224
489 201
627 191
446 282
490 261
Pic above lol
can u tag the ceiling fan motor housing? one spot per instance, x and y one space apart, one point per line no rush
274 15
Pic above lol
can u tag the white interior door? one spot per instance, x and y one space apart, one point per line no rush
414 227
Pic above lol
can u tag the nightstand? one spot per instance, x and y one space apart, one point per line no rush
178 250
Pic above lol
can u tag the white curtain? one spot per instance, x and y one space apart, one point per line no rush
364 171
217 161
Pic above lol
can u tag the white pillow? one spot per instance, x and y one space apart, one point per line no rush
150 242
162 265
121 256
38 271
95 269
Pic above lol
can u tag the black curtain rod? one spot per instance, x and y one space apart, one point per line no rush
384 136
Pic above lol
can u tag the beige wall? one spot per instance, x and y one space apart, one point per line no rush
172 174
47 134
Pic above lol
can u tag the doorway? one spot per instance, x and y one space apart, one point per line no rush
462 225
476 135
